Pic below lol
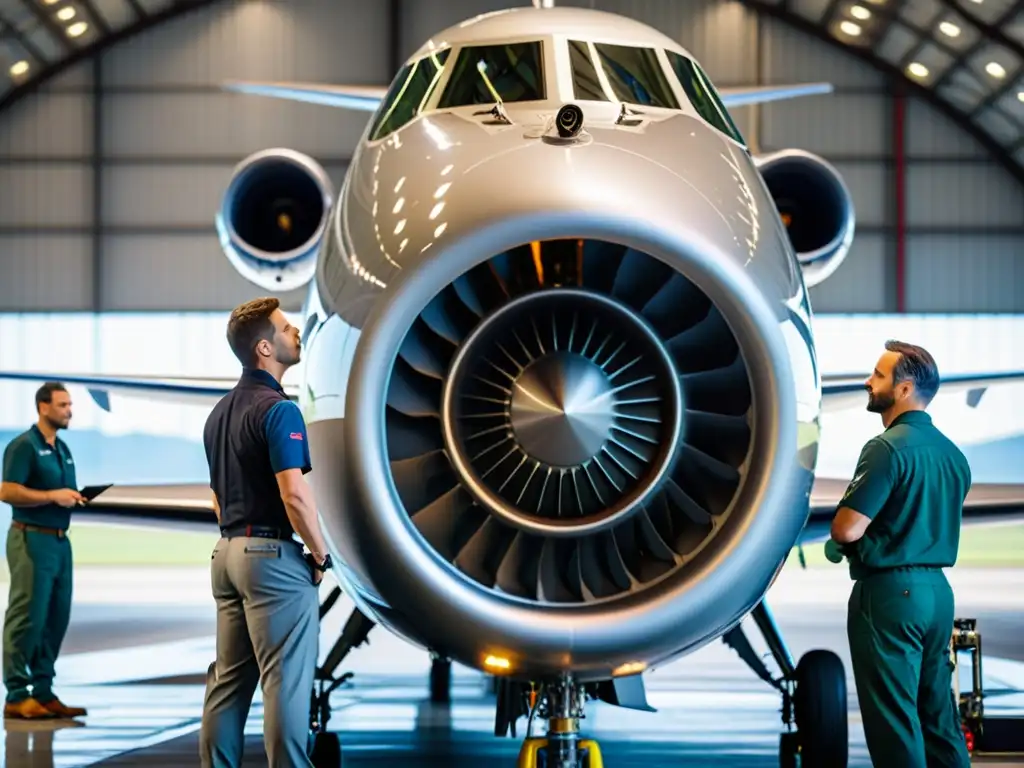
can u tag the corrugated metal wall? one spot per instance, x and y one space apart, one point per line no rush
168 139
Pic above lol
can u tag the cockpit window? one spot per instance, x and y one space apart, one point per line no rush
408 93
485 74
634 75
703 96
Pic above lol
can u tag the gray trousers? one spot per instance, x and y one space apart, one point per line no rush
268 627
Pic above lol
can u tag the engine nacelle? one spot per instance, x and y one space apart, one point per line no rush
273 217
815 206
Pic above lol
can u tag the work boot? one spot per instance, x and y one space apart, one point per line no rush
58 709
27 709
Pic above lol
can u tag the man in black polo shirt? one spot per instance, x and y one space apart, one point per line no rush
899 525
266 590
39 483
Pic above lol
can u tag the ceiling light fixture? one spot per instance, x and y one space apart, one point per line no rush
1020 95
850 28
860 12
949 29
917 69
66 14
995 69
77 29
19 68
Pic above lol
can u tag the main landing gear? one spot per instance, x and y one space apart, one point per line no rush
813 696
561 704
324 747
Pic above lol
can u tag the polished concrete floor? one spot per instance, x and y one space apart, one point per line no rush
141 640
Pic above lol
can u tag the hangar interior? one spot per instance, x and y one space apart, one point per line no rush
117 142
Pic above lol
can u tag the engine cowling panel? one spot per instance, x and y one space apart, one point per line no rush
816 207
273 217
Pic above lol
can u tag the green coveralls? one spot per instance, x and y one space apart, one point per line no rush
39 603
911 481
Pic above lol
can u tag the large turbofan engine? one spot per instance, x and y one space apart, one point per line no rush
273 217
569 457
815 206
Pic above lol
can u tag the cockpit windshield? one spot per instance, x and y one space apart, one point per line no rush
487 74
620 73
408 93
702 95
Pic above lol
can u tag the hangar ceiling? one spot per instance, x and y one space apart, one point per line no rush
965 56
40 38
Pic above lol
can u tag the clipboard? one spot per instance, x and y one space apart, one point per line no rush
90 492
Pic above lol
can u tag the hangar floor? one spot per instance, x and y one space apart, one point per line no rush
140 641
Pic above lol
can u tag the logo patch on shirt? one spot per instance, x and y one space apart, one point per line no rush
45 452
295 435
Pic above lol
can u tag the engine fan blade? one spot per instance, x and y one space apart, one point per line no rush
601 262
725 390
677 306
425 352
468 296
652 540
682 501
412 393
707 345
411 436
484 552
595 582
551 585
726 438
639 278
516 564
422 479
449 522
448 317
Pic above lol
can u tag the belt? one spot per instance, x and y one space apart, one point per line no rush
255 531
60 533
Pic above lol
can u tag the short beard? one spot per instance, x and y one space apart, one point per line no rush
880 403
55 424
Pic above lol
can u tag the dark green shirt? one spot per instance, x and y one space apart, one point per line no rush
911 480
32 462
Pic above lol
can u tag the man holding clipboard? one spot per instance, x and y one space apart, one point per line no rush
39 483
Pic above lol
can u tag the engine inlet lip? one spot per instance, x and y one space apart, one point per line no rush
626 505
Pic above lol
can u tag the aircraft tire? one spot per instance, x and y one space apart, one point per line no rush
326 751
820 707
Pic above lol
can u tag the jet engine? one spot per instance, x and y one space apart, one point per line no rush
273 217
571 455
815 206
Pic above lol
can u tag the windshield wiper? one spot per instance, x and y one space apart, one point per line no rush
497 112
625 112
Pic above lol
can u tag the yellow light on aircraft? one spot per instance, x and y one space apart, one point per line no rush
284 221
77 29
850 28
787 219
629 668
860 12
19 68
497 662
1020 96
66 13
917 69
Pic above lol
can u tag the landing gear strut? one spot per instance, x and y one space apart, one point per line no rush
324 747
813 696
561 704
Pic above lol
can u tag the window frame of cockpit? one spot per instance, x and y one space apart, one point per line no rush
378 117
567 85
547 53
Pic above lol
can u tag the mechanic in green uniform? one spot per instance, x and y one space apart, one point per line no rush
899 525
39 484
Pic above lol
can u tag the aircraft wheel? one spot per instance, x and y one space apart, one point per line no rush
819 704
326 751
789 748
440 681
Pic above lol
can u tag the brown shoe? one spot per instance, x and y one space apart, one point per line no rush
57 708
27 709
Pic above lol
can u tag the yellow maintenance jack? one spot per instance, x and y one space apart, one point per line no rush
561 703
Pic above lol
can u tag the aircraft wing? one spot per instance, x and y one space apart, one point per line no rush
183 389
842 391
179 507
367 98
985 503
